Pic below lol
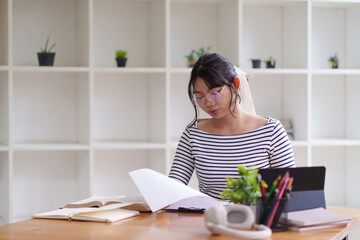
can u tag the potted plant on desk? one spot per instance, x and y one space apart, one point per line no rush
121 58
45 56
245 189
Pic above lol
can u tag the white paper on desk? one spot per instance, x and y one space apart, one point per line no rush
159 190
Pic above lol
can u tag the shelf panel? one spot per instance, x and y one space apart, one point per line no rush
50 69
335 3
4 68
181 70
128 145
299 143
56 108
3 148
65 22
335 71
199 1
212 20
114 98
174 144
146 22
270 3
276 71
50 147
334 142
128 70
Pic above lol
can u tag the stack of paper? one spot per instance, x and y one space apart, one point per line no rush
314 219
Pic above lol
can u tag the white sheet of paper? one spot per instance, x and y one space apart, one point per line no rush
199 202
159 190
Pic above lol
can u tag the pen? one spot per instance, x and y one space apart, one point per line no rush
263 190
289 187
272 212
191 210
286 176
270 195
273 187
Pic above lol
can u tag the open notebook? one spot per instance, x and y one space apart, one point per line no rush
109 213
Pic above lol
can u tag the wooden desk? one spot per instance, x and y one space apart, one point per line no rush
161 225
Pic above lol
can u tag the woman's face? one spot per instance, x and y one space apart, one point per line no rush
215 101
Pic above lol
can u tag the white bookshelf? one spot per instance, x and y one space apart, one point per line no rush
76 129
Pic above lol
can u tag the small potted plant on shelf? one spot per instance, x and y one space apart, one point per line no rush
270 63
45 56
256 63
192 58
334 61
121 58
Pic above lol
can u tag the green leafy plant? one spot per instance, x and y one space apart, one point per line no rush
202 51
191 56
245 189
334 58
46 50
121 53
195 55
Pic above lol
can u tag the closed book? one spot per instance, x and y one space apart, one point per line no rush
315 216
318 227
111 215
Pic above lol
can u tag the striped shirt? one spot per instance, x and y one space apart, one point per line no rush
215 157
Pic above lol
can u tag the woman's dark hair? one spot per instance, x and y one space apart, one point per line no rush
216 71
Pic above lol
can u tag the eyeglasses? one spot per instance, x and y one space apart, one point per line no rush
213 97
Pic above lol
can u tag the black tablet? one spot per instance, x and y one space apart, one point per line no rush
308 186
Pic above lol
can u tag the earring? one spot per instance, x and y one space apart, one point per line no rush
237 82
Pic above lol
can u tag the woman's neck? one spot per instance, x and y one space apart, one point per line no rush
231 122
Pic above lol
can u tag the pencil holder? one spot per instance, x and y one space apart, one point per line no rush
273 213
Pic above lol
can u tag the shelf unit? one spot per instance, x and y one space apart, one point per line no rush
76 129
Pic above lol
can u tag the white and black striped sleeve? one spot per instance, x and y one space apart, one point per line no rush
183 165
281 151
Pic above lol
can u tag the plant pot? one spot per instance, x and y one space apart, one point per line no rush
121 62
256 63
46 59
191 63
334 64
269 65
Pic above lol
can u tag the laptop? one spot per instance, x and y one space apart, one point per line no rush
308 186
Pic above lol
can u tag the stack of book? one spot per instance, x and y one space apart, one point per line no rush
315 219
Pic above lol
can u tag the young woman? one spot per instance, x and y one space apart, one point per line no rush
233 135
